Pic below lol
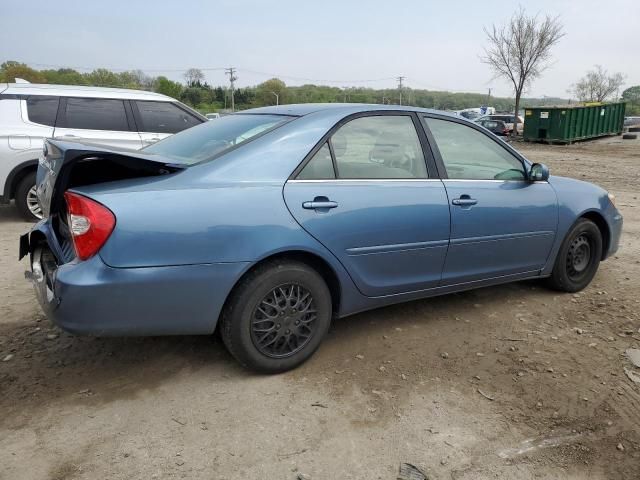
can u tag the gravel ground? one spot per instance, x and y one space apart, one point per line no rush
511 382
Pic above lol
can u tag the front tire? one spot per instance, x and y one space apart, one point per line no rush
27 200
578 258
277 317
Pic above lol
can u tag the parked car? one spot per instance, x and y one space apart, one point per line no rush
469 114
212 116
498 127
268 223
116 117
506 118
631 121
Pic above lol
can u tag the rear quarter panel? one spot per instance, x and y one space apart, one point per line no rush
226 223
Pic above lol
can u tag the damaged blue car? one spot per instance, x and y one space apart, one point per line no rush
269 223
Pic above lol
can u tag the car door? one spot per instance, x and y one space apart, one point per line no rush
157 120
501 223
97 120
365 194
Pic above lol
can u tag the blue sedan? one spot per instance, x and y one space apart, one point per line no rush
269 223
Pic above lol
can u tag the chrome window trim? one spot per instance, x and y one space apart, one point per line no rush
491 180
351 180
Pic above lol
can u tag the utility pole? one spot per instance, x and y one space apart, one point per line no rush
277 98
489 97
400 80
231 71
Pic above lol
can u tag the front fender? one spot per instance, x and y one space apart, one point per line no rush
578 199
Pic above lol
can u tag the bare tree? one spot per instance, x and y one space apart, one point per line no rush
193 76
597 85
520 50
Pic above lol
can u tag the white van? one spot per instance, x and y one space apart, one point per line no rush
109 116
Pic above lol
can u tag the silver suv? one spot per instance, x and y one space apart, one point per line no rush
109 116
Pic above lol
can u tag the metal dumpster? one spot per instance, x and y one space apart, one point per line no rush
567 124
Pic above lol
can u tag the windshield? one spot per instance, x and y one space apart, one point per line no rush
209 140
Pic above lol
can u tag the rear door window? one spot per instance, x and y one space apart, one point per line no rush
320 167
95 114
378 147
164 117
43 109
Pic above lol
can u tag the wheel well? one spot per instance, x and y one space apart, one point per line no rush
601 223
314 261
16 177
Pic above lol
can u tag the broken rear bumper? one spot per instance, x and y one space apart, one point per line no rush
89 297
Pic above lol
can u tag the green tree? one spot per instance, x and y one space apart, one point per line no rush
193 96
271 92
102 77
167 87
10 70
632 96
64 76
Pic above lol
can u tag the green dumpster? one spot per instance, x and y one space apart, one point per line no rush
567 124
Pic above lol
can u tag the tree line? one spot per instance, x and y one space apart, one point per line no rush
197 93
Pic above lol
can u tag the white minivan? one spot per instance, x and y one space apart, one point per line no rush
109 116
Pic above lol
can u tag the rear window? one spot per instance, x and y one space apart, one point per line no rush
95 114
164 117
208 140
42 109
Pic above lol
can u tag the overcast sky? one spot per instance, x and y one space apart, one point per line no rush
435 44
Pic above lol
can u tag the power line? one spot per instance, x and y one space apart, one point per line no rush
323 80
256 72
210 69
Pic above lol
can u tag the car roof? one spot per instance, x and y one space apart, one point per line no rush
81 91
301 109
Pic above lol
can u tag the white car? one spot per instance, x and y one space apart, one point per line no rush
212 116
116 117
507 119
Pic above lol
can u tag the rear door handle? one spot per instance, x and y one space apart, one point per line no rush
464 201
319 204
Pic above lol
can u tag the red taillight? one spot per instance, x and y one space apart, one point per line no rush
90 224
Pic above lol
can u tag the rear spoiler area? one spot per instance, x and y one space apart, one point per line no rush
66 165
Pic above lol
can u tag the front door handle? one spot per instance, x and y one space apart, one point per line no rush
464 201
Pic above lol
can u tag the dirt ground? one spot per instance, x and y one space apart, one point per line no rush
514 382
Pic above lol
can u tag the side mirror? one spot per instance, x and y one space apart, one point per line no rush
539 172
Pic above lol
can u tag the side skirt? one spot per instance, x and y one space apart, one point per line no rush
376 302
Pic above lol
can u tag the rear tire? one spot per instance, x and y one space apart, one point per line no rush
276 317
578 258
26 201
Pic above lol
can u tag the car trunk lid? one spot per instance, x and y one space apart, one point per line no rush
69 165
66 165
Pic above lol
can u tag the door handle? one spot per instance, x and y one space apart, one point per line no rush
315 205
319 203
464 201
